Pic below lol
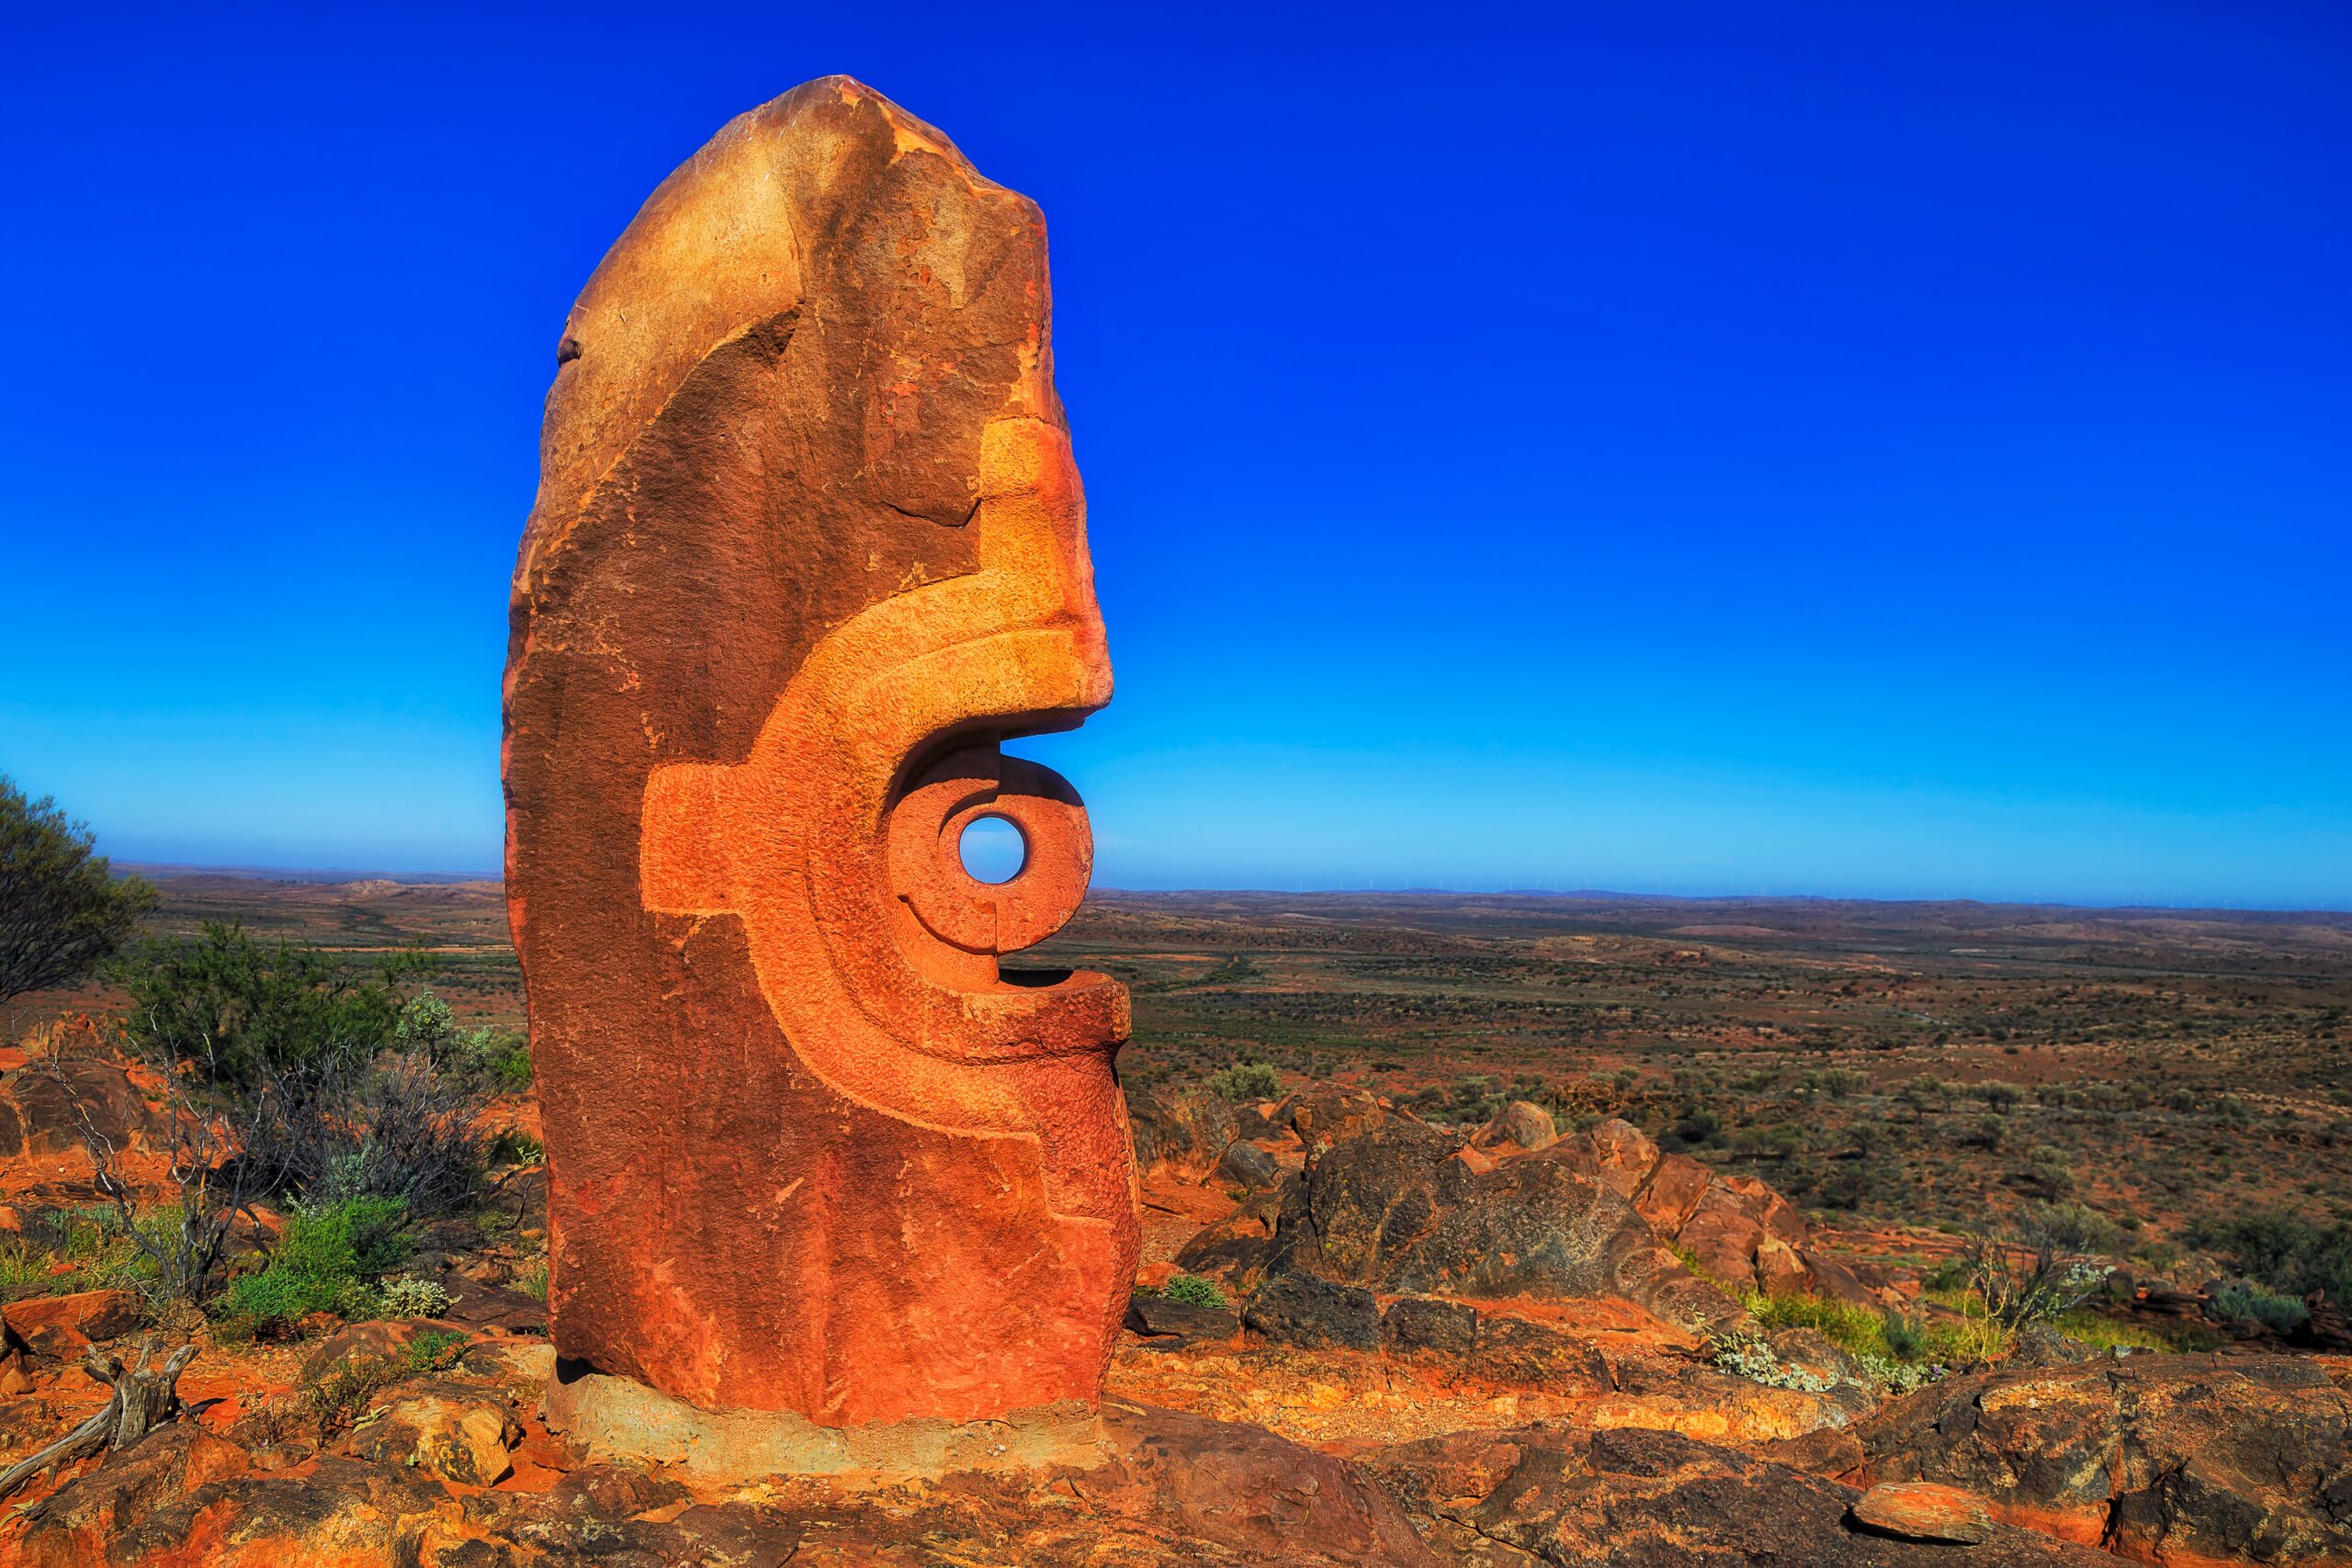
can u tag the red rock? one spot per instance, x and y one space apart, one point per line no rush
455 1434
808 543
1519 1126
1621 1157
1676 1185
384 1340
1591 1499
64 1326
1921 1510
2162 1458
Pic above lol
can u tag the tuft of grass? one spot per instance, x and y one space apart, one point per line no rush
1881 1337
1194 1290
2086 1327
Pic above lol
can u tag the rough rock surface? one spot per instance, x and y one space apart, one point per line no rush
37 1100
1186 1135
1304 1310
1921 1510
1392 1209
62 1327
808 543
1178 1490
1519 1125
1639 1499
2160 1459
1742 1233
455 1433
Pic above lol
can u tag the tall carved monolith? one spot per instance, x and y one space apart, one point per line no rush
809 545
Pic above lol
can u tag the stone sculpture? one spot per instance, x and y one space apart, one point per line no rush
808 543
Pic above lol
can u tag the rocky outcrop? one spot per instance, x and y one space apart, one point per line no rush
1237 1248
2159 1459
1184 1136
40 1102
1644 1499
1173 1490
62 1328
1740 1232
1392 1209
1521 1126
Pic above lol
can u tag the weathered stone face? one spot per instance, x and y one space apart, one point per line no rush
808 543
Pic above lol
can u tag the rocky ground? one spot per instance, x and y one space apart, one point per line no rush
1360 1338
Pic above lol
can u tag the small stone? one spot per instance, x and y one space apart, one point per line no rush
1921 1510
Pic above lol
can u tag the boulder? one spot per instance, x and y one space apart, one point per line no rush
1235 1250
1172 1323
39 1102
1391 1209
382 1340
459 1434
1184 1135
64 1326
1521 1126
1247 1165
2162 1458
1630 1499
1332 1113
1314 1313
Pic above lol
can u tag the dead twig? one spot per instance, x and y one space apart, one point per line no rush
141 1402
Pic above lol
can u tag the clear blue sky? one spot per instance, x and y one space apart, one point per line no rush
1881 449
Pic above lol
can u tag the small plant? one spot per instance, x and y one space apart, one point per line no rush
2245 1300
342 1395
409 1296
512 1147
533 1281
1751 1357
1194 1290
1899 1377
1247 1082
2014 1293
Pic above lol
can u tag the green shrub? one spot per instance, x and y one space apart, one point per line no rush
250 1009
1194 1290
344 1240
326 1260
2246 1302
2284 1251
1246 1081
502 1061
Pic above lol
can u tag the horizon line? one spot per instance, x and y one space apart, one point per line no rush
327 876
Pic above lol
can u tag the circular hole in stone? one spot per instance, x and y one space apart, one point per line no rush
993 850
